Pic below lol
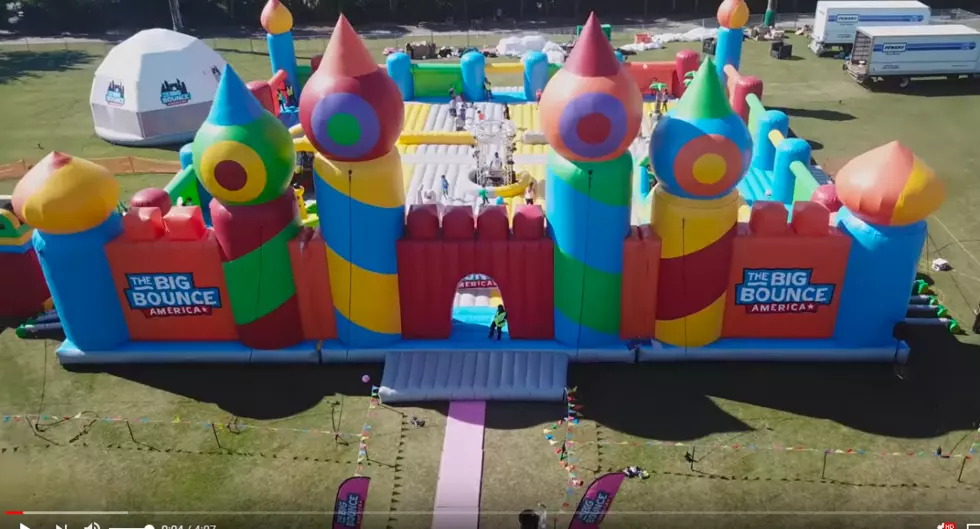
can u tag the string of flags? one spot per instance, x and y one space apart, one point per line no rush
362 447
239 426
563 439
780 448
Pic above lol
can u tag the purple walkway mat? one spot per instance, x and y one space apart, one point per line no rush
461 469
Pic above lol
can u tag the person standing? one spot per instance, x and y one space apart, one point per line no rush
445 187
497 325
529 193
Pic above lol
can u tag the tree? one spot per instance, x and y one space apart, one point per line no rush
175 18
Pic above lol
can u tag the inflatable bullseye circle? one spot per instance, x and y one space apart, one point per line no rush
593 125
345 126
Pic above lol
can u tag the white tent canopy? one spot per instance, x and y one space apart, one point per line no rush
154 88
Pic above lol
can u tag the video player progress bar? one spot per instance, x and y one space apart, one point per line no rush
70 513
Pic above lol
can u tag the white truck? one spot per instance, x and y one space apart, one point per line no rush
893 56
836 21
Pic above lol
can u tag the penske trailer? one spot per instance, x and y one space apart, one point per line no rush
892 56
836 22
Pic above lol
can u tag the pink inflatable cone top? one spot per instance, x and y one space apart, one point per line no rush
592 55
346 55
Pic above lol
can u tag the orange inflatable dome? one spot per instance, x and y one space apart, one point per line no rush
890 186
591 109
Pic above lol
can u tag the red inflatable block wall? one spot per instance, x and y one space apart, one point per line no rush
178 243
641 269
436 253
23 286
786 277
309 258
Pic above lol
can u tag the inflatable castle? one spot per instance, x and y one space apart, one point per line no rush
721 270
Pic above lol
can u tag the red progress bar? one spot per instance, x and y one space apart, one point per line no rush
11 513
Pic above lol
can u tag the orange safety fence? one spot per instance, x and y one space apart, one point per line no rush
119 166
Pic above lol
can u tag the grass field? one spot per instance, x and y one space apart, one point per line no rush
200 438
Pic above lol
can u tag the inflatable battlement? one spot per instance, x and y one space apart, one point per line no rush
459 224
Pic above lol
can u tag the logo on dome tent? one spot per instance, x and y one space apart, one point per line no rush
216 73
175 93
115 94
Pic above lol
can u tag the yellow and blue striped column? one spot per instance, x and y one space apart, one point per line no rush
352 113
364 204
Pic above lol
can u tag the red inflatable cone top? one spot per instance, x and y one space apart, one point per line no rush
346 55
592 55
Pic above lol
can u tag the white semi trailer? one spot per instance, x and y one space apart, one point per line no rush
835 22
893 56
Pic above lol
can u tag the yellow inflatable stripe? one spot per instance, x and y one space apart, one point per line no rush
922 195
686 226
700 328
373 297
415 116
375 182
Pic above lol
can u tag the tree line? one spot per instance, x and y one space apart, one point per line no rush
93 16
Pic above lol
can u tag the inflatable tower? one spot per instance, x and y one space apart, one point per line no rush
700 151
590 112
71 203
277 22
352 114
244 158
732 15
887 194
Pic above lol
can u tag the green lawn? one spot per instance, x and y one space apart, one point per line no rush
123 450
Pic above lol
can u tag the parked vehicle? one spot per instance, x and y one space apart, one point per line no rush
835 22
896 55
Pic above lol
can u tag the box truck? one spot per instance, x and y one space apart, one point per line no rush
895 55
835 22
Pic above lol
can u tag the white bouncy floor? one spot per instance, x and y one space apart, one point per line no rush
439 119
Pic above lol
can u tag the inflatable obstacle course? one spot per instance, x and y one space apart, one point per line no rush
743 253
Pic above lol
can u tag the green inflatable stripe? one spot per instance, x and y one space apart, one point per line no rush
586 295
611 180
262 280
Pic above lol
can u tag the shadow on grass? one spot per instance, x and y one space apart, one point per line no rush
16 65
934 394
937 88
820 113
254 391
671 401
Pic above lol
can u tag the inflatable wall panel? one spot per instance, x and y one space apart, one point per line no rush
433 258
786 277
168 276
309 258
641 274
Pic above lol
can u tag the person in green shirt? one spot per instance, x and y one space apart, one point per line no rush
497 325
484 196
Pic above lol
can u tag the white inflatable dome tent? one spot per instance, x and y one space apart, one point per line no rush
154 88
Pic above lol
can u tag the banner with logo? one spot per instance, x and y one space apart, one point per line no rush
349 509
596 501
474 281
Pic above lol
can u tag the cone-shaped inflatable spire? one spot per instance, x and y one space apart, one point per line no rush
592 55
233 103
705 97
276 18
346 55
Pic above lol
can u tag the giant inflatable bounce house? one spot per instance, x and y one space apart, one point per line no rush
730 259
